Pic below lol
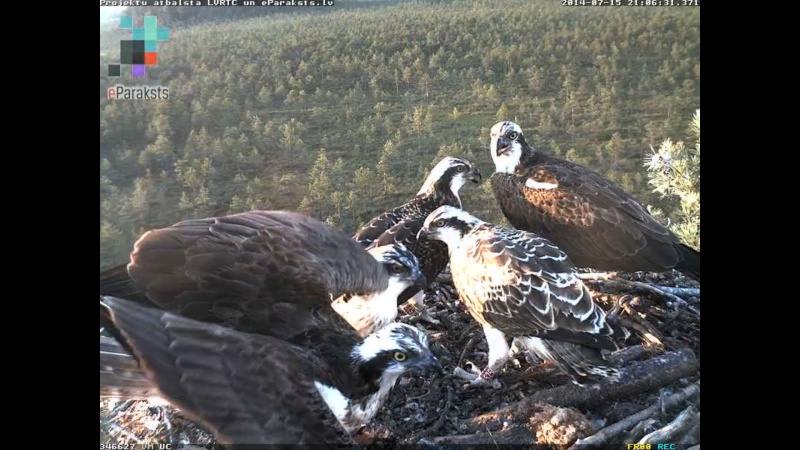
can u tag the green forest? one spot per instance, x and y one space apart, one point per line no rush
341 112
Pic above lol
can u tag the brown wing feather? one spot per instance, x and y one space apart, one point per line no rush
248 389
269 272
432 255
367 234
523 285
593 220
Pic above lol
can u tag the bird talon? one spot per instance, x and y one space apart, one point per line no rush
463 374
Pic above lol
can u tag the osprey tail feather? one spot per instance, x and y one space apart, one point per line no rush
690 266
120 376
579 361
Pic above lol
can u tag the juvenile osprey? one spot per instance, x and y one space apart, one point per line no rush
401 224
371 311
316 388
517 283
244 270
588 216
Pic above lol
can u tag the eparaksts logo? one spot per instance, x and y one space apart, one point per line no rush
120 92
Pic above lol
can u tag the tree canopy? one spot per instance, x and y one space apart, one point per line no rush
341 112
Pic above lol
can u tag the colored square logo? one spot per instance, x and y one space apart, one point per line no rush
126 22
137 71
141 49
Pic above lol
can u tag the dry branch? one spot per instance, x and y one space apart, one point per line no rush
610 431
685 420
516 435
612 279
639 377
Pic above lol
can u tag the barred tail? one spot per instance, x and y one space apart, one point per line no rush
579 361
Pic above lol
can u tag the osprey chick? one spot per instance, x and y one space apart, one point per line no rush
401 224
517 283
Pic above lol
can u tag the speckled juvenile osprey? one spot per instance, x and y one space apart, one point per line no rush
231 319
401 224
235 270
588 216
517 283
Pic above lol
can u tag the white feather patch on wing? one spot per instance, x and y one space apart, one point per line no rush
533 184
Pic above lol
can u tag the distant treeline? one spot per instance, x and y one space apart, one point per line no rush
342 114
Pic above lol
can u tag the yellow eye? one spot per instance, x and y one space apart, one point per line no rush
461 168
513 135
396 268
399 356
439 223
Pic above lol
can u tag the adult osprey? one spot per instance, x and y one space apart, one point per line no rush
401 224
518 283
316 388
245 339
235 270
588 216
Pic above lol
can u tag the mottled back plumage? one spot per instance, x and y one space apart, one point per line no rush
518 283
401 224
591 218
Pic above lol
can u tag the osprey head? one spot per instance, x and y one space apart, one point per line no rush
448 224
449 175
402 265
396 349
506 142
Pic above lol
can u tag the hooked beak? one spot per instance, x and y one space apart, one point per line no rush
419 279
475 176
503 145
429 365
422 234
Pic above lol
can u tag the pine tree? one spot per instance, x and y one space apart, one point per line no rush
674 172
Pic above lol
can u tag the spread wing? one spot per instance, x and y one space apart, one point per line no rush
247 388
592 219
269 272
523 285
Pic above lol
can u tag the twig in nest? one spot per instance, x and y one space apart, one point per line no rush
683 422
692 436
635 379
167 418
472 327
680 292
440 421
464 350
613 279
610 431
614 312
639 430
121 430
629 354
648 334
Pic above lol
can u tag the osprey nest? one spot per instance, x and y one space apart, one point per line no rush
656 399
